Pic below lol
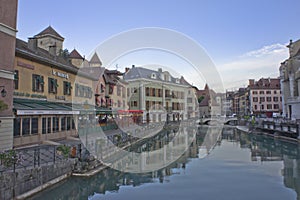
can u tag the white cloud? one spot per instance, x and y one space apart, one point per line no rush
263 62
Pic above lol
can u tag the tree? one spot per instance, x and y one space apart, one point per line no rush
200 99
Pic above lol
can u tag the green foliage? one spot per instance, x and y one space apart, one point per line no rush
64 150
8 158
64 53
200 99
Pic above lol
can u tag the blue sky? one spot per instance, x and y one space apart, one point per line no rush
248 37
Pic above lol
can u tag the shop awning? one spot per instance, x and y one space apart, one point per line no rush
43 107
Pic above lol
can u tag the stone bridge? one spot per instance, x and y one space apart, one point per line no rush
217 120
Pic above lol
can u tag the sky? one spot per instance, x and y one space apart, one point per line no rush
244 39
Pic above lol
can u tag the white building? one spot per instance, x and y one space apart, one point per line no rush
159 95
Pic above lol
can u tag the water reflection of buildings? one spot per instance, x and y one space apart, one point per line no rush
265 149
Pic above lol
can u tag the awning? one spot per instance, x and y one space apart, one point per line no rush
43 107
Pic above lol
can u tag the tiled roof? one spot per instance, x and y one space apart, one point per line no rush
43 56
49 31
95 72
95 59
266 83
75 54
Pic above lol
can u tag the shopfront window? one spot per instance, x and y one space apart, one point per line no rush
25 126
49 124
44 125
63 123
17 126
34 125
55 124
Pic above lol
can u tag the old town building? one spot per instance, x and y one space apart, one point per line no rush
290 82
7 55
159 96
51 94
265 96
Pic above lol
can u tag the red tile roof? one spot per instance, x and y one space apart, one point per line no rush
75 54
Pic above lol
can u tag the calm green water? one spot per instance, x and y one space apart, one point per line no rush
235 166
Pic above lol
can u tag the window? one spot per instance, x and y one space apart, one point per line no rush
275 91
52 85
102 88
49 125
147 91
262 99
255 107
25 126
34 125
68 123
255 99
55 124
37 83
67 88
275 99
16 79
63 123
261 92
153 75
83 91
17 126
262 107
276 106
269 106
269 99
268 92
134 90
159 91
44 125
254 92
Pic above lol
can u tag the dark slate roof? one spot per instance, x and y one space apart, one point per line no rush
95 72
75 54
49 31
143 73
42 56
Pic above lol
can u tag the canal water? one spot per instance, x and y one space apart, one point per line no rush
234 166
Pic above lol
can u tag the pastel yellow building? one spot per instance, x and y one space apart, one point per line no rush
50 95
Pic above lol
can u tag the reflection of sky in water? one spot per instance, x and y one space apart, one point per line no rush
243 167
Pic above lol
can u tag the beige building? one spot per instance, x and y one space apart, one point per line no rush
50 93
159 96
7 55
290 82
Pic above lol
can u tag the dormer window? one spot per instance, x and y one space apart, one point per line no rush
153 75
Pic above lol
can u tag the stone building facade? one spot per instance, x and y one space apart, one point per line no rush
290 82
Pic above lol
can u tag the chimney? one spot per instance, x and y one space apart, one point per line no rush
126 69
251 82
160 70
32 43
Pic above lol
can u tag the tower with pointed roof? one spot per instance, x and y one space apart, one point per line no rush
95 61
76 58
50 40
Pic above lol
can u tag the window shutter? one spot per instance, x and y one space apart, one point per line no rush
33 82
